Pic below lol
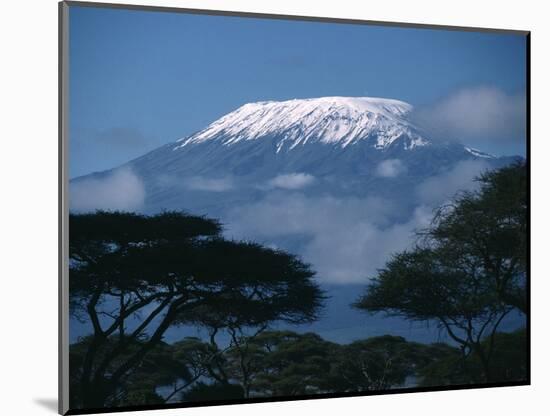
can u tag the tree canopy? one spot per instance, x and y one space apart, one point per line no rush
468 269
488 229
134 276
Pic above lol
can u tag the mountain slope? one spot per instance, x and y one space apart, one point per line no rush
340 143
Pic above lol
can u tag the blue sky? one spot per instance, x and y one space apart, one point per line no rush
141 79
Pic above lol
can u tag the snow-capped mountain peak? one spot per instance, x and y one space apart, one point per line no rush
330 120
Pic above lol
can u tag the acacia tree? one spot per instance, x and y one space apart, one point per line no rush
134 276
378 363
468 269
426 285
160 367
488 229
284 363
274 295
508 363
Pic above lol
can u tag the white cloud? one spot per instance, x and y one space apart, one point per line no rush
438 189
120 190
345 239
390 168
199 183
291 181
485 114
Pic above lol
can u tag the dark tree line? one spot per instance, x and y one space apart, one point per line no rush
285 363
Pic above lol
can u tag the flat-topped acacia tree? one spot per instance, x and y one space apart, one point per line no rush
469 269
134 276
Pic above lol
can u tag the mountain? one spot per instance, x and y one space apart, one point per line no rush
340 143
340 121
341 181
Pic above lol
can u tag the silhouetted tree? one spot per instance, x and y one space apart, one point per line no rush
284 363
509 363
159 367
488 229
135 276
377 363
469 268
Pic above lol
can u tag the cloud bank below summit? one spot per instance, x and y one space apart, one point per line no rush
346 239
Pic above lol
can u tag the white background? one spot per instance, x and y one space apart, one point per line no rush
28 219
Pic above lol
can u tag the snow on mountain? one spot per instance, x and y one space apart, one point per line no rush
329 120
479 153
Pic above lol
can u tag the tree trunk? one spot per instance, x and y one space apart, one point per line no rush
484 360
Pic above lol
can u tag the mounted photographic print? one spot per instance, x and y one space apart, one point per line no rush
263 208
